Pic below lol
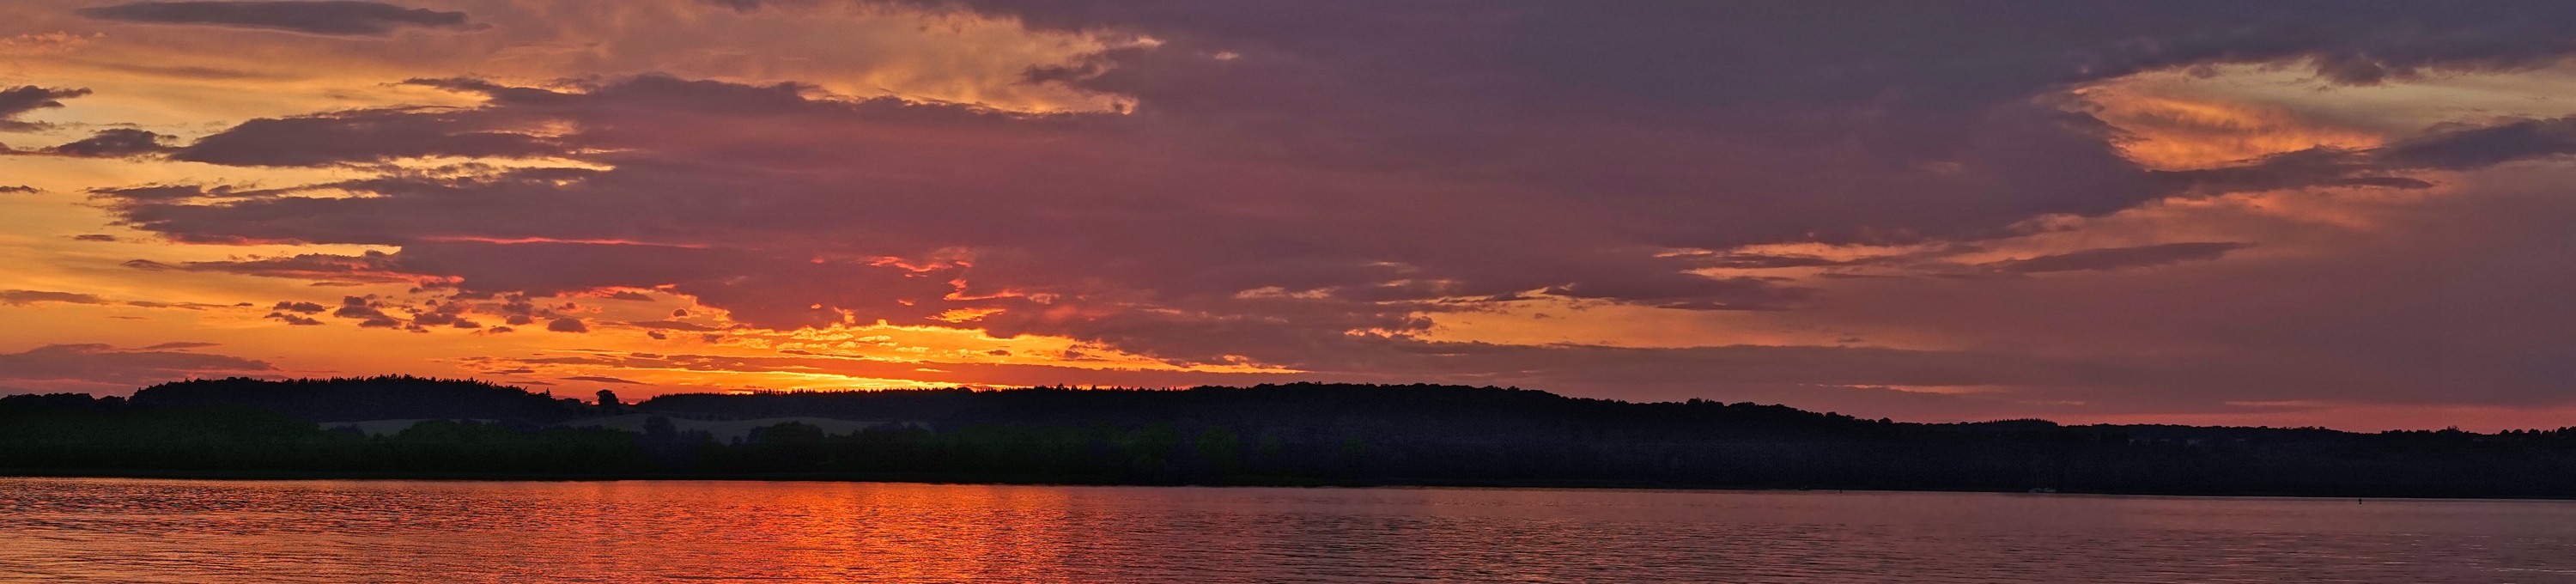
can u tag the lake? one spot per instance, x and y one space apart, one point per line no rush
133 530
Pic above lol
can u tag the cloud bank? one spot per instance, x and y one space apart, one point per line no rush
1911 205
324 17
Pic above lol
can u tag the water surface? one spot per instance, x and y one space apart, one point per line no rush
120 530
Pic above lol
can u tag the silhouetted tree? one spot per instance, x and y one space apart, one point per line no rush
1280 434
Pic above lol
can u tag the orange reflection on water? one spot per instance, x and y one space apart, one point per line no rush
114 530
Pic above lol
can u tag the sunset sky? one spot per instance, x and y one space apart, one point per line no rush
2360 215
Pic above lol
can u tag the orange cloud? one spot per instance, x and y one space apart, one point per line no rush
2180 132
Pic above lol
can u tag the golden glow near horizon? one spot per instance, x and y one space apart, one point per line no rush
190 81
2043 288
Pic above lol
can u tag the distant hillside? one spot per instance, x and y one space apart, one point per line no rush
367 398
1267 434
1307 407
1295 407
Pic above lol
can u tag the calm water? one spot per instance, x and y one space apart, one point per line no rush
112 530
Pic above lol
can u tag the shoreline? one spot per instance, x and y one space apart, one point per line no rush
927 479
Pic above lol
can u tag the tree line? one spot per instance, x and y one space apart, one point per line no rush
1292 434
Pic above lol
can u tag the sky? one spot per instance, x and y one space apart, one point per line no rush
2352 214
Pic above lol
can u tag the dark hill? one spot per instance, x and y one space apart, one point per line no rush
1268 434
368 398
1296 407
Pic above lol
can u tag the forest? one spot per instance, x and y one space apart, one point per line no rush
1291 434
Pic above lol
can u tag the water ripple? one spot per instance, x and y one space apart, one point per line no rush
119 530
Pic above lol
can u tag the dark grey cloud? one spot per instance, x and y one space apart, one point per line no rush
2453 147
1846 49
157 193
362 136
16 101
1760 261
2315 167
19 189
183 305
1686 291
450 315
294 320
107 364
303 307
180 345
358 307
372 311
1925 85
115 142
329 17
372 267
153 192
2121 257
2476 147
29 297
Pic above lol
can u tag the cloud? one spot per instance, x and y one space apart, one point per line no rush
166 193
32 297
328 17
1153 231
363 136
18 101
598 379
367 311
370 267
182 305
774 286
112 143
2453 148
180 345
371 312
1827 51
2476 147
294 320
32 44
357 307
97 363
2121 257
19 189
1318 186
445 318
1750 261
567 325
303 307
671 325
